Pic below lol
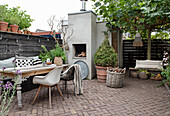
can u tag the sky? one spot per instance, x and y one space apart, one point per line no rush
42 10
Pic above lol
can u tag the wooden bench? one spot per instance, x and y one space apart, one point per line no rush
149 65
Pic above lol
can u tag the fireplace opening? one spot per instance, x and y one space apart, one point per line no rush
79 50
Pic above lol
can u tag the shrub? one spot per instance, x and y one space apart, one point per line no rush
3 12
105 55
166 73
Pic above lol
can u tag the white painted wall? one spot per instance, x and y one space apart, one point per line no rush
85 31
100 35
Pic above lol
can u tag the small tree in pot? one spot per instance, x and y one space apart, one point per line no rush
103 58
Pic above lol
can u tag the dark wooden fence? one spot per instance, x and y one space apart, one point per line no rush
131 53
12 44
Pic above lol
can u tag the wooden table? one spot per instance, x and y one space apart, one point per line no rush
26 72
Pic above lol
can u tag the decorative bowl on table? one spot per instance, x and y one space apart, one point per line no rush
49 63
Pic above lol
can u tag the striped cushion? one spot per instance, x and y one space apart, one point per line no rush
37 61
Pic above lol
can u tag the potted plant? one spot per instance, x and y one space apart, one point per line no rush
143 74
25 30
44 55
3 16
25 21
58 55
152 76
8 29
104 57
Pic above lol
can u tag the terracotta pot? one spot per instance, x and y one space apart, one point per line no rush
19 31
101 74
25 32
134 74
3 26
143 75
8 29
14 28
58 61
28 32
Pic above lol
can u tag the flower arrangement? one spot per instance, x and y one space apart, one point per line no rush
7 92
165 59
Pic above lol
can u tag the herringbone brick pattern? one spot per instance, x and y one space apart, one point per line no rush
136 98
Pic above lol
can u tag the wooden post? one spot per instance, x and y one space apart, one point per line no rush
149 45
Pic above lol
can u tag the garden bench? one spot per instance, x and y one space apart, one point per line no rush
149 65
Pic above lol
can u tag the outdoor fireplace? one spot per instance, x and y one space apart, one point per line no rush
79 50
84 41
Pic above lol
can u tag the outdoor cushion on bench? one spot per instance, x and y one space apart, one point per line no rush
154 64
149 65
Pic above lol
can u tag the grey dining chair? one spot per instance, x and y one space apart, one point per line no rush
50 80
68 75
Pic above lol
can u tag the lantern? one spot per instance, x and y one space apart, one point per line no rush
138 41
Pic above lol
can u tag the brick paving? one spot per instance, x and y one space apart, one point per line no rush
136 98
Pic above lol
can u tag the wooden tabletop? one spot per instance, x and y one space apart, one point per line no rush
31 70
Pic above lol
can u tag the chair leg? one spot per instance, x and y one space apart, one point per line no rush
66 88
37 94
50 96
59 91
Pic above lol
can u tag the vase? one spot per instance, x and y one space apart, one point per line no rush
101 74
58 61
3 26
14 28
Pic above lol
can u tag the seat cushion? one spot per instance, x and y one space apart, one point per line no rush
154 64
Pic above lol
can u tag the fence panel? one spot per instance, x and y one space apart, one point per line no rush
131 53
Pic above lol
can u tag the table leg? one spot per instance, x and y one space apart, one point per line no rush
18 88
0 91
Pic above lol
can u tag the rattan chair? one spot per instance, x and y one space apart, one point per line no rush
68 75
50 80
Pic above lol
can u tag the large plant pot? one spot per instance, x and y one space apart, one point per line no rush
14 28
115 79
101 74
134 74
3 26
58 61
143 75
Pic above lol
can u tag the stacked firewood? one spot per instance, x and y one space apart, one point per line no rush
117 70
